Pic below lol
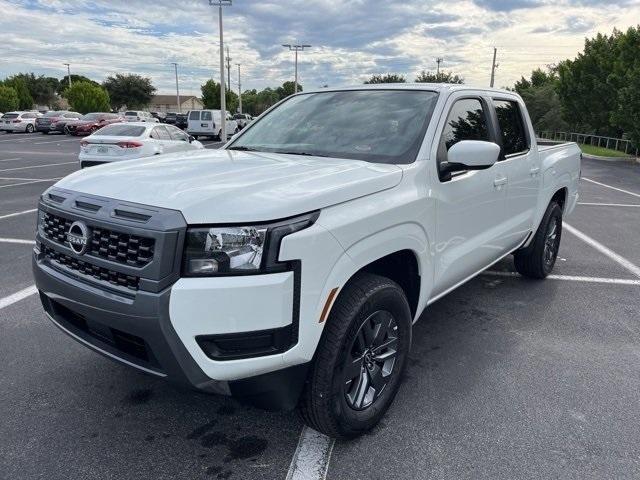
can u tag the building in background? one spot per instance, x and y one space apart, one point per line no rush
167 103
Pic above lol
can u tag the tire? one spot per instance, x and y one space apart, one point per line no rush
335 405
538 259
28 128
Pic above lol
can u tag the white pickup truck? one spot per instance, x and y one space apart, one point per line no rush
289 266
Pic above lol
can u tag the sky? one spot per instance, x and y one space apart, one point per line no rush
351 39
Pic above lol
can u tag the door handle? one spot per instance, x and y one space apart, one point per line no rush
499 181
534 171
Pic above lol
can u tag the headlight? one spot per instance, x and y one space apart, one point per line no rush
238 250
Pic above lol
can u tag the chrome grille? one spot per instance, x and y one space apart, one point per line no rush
99 273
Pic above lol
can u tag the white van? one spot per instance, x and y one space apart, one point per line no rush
207 123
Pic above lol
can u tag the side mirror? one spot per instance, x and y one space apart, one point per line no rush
472 155
191 138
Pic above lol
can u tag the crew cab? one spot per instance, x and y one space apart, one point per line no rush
289 266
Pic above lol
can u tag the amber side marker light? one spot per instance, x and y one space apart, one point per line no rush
327 305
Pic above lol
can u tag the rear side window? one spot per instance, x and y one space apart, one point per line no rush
205 116
11 115
194 115
514 139
466 121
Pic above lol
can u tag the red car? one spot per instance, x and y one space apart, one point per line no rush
91 122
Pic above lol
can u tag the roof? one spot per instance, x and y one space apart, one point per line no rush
170 99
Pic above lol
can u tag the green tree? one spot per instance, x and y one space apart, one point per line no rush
442 77
63 84
8 99
130 90
25 100
211 97
287 89
387 78
85 97
542 100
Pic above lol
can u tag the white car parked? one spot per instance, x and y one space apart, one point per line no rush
207 123
139 116
131 140
19 122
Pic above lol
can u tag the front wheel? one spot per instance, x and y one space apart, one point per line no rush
360 359
539 258
29 128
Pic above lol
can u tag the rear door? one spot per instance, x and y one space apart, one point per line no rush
522 167
470 205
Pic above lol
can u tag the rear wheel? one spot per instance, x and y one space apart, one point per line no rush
29 128
539 258
360 359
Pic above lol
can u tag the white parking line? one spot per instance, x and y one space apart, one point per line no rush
23 179
34 181
35 166
16 297
311 459
612 188
619 259
58 141
570 278
17 240
10 159
609 204
18 213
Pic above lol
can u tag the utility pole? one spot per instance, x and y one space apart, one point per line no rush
68 72
239 90
223 103
438 61
296 49
175 65
494 65
228 59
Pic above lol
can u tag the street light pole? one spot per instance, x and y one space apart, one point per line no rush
175 65
68 72
296 49
223 103
239 90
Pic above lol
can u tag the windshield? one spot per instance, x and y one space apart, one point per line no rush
90 116
381 126
53 114
131 114
11 115
122 130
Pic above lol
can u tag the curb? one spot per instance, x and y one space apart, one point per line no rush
611 159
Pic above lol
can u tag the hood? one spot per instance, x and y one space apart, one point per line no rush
225 186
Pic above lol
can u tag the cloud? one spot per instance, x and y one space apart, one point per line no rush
351 40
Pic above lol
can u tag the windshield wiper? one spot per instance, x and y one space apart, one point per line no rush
243 148
301 153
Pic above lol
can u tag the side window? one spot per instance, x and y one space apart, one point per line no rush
205 116
194 115
160 133
514 139
466 121
177 134
29 115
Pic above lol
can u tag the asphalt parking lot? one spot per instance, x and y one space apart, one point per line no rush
509 378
